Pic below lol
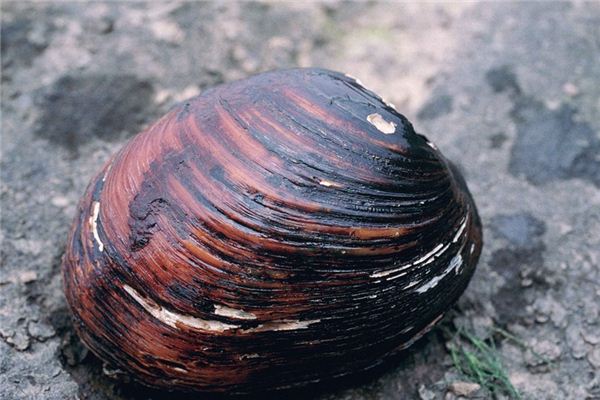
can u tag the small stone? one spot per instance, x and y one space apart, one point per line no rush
186 93
542 351
591 310
19 340
168 31
541 318
559 315
40 331
60 201
594 357
28 277
162 95
570 89
466 389
591 338
575 342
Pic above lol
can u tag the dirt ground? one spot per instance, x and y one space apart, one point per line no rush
509 91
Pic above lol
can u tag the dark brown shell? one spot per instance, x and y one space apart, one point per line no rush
276 231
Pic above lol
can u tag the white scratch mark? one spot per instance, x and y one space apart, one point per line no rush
225 311
454 264
425 259
403 267
283 325
411 284
421 333
430 254
183 371
381 124
173 319
106 173
248 356
329 184
407 329
461 230
94 224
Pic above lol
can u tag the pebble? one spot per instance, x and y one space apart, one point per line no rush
542 351
461 388
591 338
19 340
60 201
570 89
594 357
575 342
168 31
40 331
28 276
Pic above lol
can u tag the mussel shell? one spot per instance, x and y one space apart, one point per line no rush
272 232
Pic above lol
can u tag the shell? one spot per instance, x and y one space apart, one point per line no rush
272 232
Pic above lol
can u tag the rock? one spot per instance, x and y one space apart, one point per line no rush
465 389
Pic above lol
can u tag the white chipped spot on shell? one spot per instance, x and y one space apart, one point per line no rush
432 145
229 312
173 319
386 127
355 79
389 104
94 224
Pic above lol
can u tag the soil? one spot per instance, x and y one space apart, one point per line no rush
509 91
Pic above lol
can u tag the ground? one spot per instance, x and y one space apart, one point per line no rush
509 91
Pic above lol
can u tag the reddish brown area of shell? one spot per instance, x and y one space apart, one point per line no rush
273 232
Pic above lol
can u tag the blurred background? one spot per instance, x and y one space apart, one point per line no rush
509 91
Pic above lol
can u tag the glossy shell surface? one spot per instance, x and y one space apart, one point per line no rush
272 232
